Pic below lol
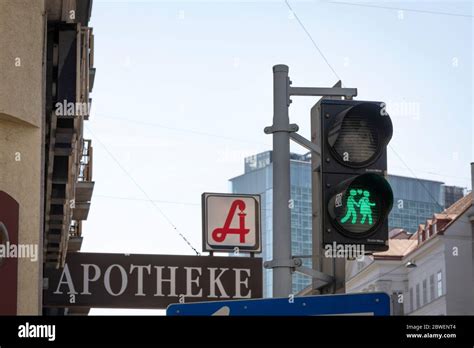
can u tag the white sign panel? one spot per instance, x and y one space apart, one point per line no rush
231 221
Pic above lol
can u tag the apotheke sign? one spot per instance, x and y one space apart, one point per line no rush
150 281
231 222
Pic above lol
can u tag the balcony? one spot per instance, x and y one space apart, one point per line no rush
85 185
75 237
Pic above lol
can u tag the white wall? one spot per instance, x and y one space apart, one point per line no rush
429 260
459 268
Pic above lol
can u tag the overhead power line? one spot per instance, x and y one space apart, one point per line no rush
312 40
414 175
192 131
400 9
146 200
175 228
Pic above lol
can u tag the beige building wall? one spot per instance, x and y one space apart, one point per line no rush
22 32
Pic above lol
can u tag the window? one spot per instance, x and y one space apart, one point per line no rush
418 303
432 287
411 300
440 284
397 303
425 291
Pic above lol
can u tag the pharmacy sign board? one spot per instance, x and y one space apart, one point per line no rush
231 222
150 281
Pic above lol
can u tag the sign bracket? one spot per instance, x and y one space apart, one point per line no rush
276 263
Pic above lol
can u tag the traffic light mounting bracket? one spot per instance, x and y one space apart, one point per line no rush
323 278
347 93
305 143
273 129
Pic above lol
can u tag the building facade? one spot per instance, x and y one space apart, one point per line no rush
414 201
46 65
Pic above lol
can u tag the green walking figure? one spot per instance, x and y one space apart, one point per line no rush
351 202
365 208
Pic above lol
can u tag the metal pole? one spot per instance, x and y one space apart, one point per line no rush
282 279
472 180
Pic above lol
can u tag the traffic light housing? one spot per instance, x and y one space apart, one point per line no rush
355 197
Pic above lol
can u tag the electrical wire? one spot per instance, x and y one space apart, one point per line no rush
415 176
312 40
400 9
175 228
191 131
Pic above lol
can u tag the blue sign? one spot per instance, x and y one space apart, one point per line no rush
374 303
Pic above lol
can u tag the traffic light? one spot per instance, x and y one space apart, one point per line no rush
354 194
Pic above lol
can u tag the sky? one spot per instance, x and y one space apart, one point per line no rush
183 91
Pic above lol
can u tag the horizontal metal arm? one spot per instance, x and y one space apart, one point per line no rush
316 275
305 143
323 91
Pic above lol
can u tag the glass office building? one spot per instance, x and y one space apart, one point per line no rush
452 194
415 200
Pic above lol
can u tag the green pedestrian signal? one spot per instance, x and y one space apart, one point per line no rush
359 205
351 212
364 205
366 208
